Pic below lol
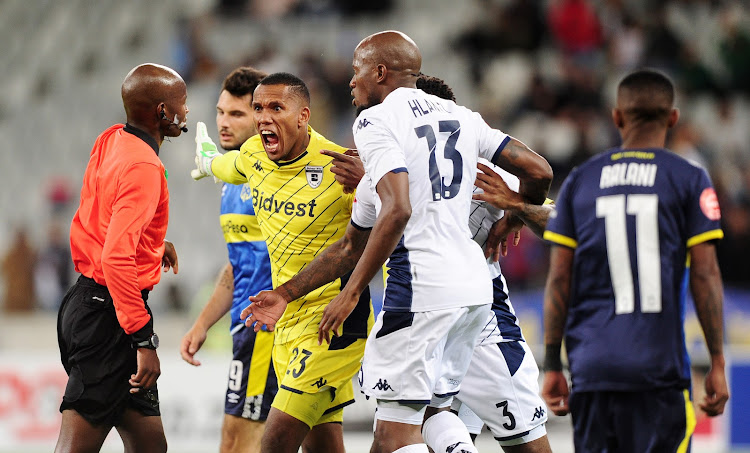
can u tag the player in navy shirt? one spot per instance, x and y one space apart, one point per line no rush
627 222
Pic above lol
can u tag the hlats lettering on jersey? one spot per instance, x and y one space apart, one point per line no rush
630 174
277 205
422 107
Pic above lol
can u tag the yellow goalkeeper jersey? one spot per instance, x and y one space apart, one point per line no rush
301 210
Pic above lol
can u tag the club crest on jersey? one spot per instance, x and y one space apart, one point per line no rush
314 175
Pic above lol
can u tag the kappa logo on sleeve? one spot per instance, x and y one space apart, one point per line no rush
363 123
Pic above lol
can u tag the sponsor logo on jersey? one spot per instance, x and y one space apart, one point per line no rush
233 398
258 166
276 205
710 204
231 227
314 175
319 383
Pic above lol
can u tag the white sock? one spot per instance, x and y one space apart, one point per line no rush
413 448
444 432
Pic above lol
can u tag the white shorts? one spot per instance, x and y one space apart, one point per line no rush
501 387
411 357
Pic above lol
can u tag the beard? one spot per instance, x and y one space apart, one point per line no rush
372 100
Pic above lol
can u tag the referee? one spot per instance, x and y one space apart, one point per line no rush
104 327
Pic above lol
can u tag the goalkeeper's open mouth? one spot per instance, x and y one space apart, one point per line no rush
270 142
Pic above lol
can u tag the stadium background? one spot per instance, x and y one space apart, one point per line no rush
543 71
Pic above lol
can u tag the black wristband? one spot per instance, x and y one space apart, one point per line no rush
144 333
552 361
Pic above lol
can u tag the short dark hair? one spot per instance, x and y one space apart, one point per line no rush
435 86
242 81
654 92
296 84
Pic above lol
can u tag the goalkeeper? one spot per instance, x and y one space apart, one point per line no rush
301 210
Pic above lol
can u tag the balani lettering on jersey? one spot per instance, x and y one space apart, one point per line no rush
628 174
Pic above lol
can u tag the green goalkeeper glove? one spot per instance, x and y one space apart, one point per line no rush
205 153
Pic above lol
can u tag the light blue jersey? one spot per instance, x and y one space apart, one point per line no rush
248 253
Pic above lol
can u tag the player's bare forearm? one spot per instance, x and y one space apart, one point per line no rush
557 297
226 279
221 299
705 285
393 190
535 217
532 170
332 263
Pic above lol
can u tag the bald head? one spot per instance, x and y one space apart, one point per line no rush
393 49
147 86
383 62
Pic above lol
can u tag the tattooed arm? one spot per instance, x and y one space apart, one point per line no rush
556 298
217 306
496 192
532 170
522 207
705 285
333 262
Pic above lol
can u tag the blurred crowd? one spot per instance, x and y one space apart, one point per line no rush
545 72
542 71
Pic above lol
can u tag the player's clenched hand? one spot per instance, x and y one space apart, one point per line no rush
555 392
169 259
347 168
205 153
495 191
191 343
497 238
335 314
265 309
148 370
717 392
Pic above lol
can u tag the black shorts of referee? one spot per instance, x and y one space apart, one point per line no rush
99 357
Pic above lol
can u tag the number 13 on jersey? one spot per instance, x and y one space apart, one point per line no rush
440 190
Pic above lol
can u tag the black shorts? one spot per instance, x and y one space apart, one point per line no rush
653 421
252 384
99 357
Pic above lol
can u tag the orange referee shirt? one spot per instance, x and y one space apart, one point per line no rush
117 234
